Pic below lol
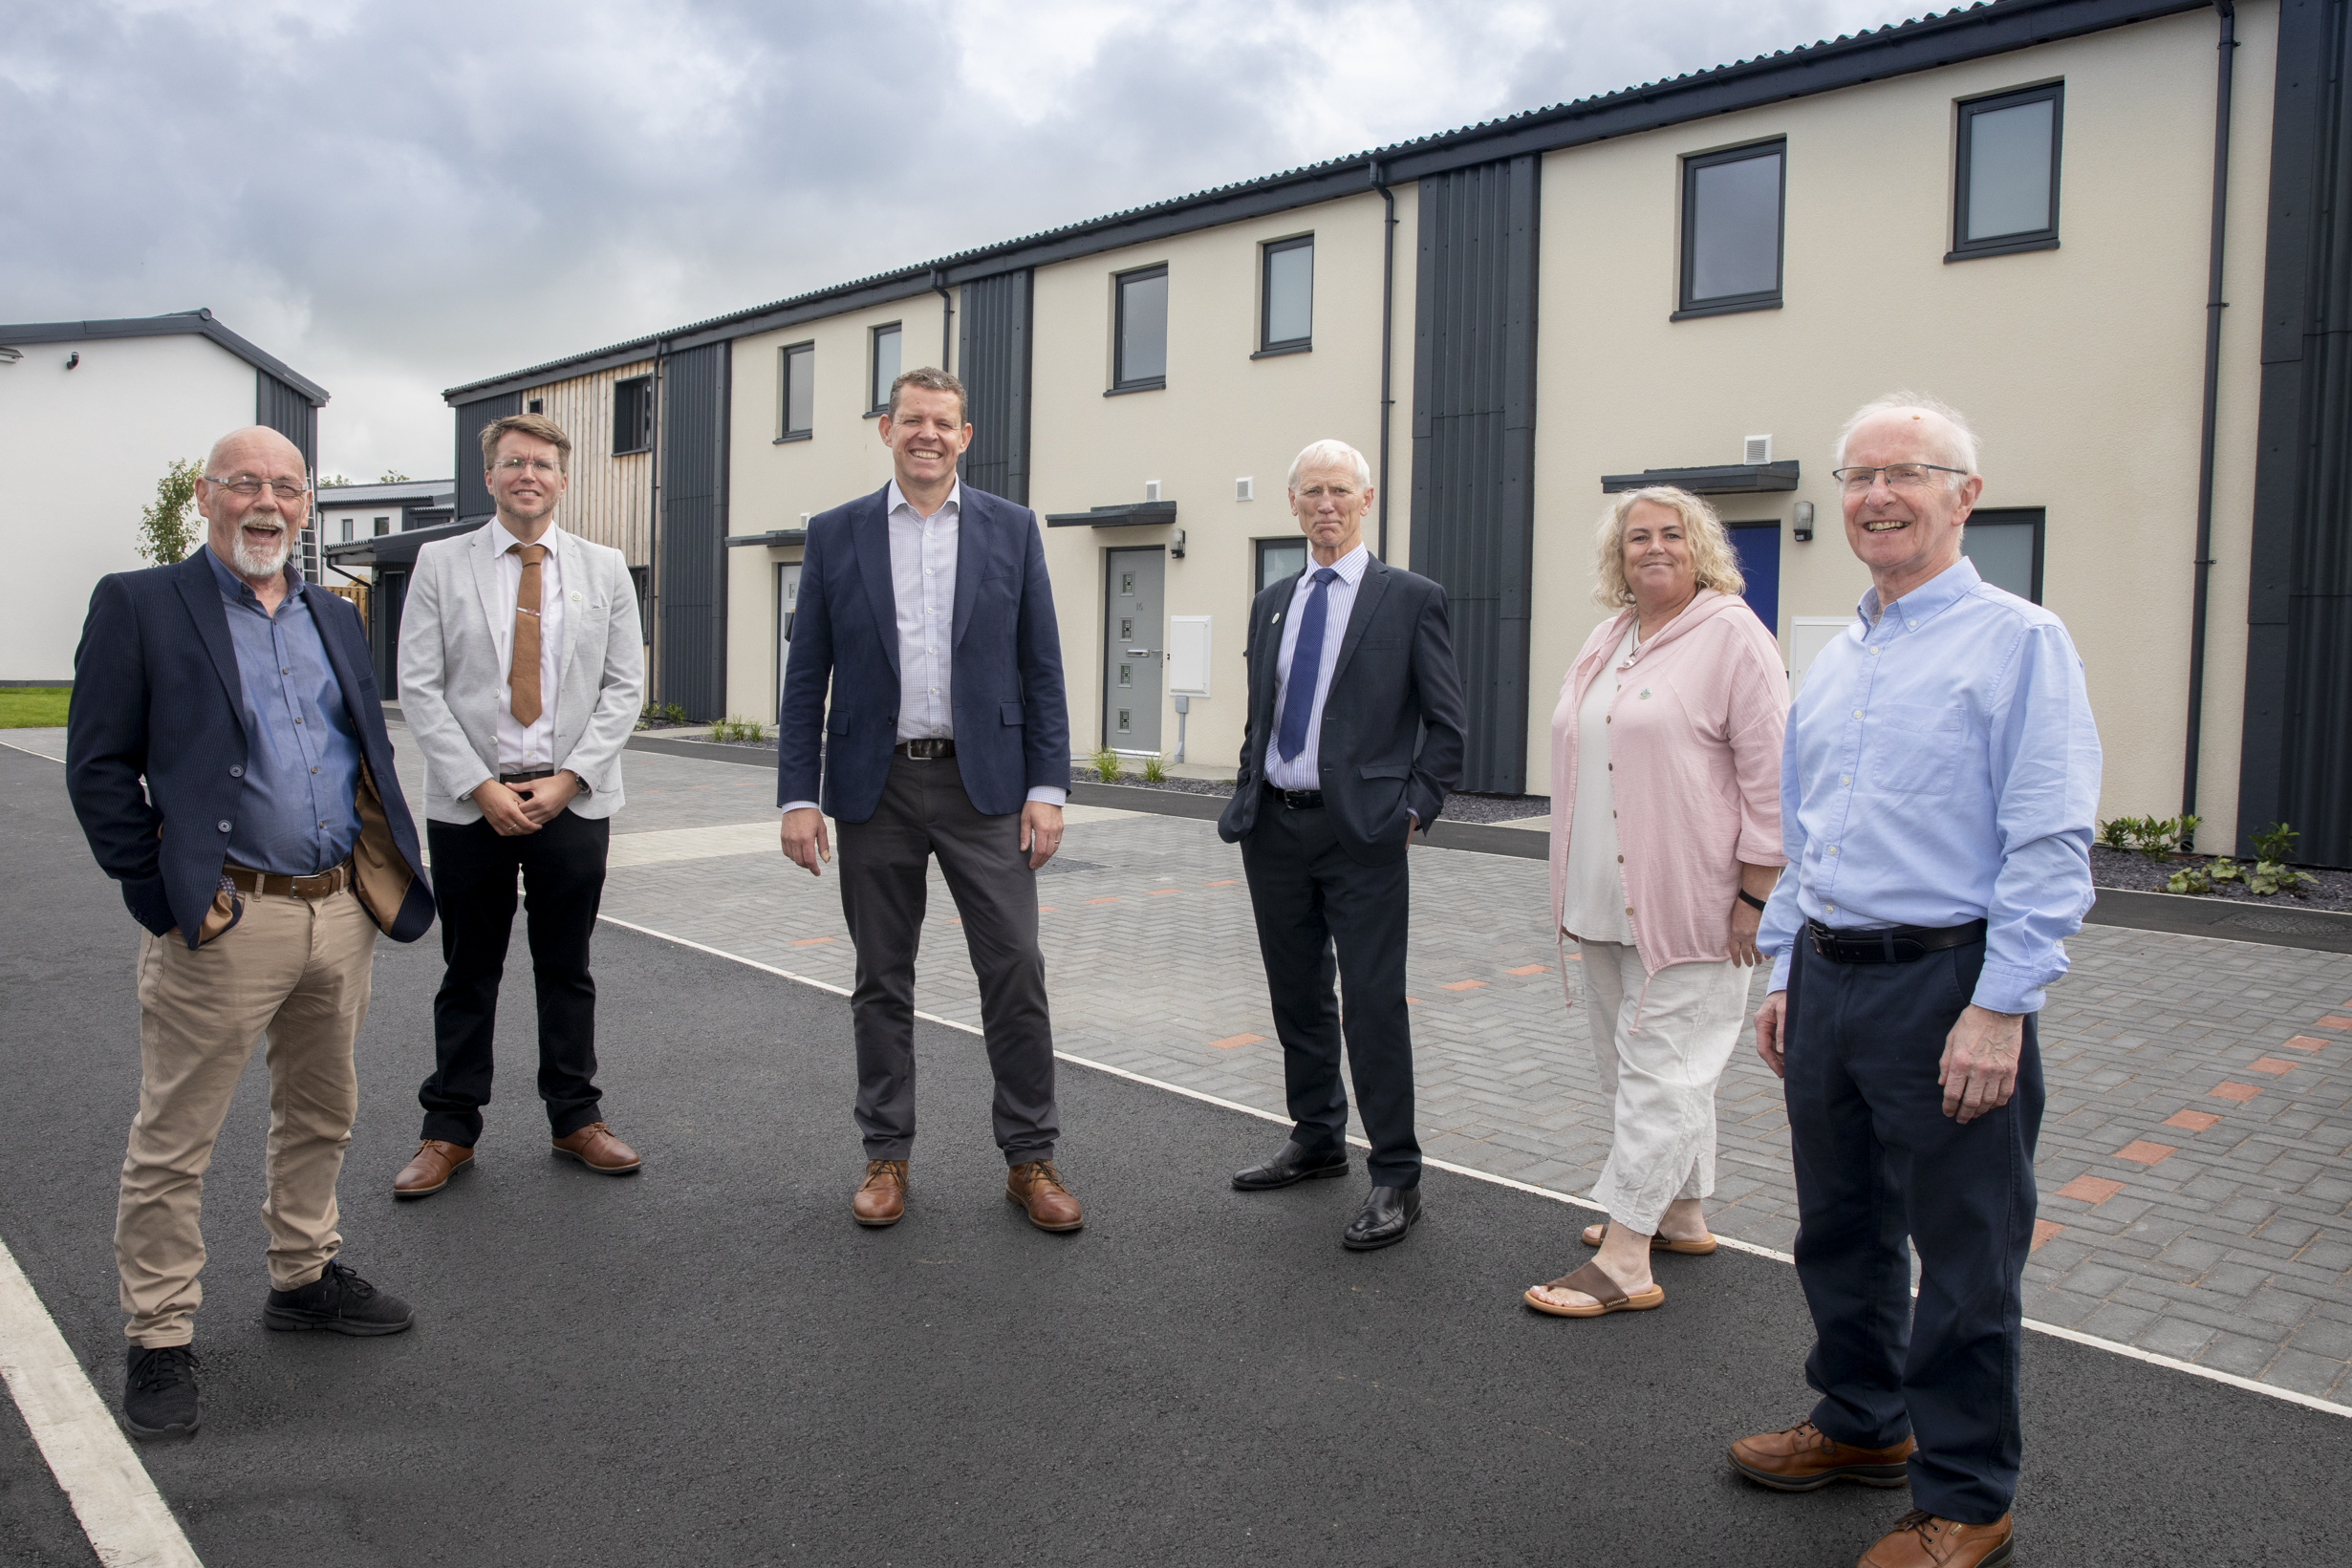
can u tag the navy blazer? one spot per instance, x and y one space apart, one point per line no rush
1393 725
1010 710
155 696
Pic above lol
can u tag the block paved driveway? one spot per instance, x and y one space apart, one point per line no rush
2196 1198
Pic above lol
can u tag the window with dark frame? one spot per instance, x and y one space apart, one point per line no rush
886 342
633 415
641 578
1286 295
1277 559
347 529
2004 545
2005 174
1734 220
1140 358
796 391
383 526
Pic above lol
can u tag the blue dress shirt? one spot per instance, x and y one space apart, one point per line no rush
1941 766
298 812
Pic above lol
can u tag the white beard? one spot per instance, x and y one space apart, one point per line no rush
250 563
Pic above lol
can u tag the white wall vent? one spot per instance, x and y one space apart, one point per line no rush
1758 450
1244 490
1151 489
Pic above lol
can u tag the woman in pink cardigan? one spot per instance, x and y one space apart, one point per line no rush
1666 842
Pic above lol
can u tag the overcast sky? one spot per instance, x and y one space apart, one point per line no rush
394 198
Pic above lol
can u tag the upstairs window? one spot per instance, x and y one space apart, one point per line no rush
1139 359
1733 211
2005 184
886 340
1287 291
796 392
633 415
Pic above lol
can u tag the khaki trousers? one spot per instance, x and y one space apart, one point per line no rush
296 970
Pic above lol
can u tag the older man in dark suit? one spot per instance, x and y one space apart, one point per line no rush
1355 736
927 606
227 755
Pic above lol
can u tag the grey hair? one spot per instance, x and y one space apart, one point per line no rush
1317 454
1958 443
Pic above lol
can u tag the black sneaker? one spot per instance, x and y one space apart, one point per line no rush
340 1301
158 1393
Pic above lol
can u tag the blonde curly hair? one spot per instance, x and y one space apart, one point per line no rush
1711 546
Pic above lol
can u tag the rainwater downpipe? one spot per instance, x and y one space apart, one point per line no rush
1388 313
2215 305
653 532
947 316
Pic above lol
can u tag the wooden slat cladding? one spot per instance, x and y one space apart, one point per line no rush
1474 442
611 497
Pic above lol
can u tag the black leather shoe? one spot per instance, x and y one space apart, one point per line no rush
339 1301
1294 1164
1387 1214
158 1392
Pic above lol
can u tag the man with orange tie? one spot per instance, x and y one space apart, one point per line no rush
522 674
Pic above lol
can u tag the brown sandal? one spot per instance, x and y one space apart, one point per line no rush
1594 1282
1699 1248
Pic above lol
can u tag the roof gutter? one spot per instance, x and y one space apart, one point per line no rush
2215 305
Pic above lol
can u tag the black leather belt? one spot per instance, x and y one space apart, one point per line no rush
1298 800
925 751
523 778
1894 945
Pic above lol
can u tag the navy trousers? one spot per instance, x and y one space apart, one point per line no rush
1879 1164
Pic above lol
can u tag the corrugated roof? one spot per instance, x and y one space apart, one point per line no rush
198 322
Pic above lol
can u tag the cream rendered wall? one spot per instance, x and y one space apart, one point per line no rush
774 483
114 423
1222 416
2081 367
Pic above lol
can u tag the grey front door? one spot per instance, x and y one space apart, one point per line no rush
1132 652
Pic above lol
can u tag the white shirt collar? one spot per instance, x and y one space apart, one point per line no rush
506 540
897 497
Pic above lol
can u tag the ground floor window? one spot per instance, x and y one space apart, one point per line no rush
2005 543
1277 559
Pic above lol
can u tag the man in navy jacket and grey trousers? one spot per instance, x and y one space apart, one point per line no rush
227 755
927 606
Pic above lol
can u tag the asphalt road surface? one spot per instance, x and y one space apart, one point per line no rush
710 1363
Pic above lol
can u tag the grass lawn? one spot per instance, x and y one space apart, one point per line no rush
33 707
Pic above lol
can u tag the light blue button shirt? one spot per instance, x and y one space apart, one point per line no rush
1941 766
1304 771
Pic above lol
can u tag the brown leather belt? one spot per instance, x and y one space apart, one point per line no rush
524 777
324 884
927 751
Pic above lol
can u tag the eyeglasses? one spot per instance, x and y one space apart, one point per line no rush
537 465
247 486
1900 476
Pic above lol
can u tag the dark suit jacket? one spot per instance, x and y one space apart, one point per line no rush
155 696
1010 712
1395 685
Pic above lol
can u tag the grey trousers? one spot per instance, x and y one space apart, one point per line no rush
884 861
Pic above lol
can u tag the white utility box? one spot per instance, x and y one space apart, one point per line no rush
1188 656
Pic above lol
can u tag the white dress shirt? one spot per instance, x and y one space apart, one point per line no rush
1594 907
922 577
1304 771
529 748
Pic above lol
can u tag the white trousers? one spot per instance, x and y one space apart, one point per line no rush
1661 1074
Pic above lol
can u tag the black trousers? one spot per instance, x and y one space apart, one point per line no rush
474 870
1310 900
1878 1163
885 861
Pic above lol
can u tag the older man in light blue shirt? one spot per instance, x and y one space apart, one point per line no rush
1938 788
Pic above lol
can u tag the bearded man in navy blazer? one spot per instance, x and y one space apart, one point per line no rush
227 755
1355 737
927 606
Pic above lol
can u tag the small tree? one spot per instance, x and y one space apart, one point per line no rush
393 476
166 531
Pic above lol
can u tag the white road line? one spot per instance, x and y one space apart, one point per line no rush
29 751
2113 1347
128 1522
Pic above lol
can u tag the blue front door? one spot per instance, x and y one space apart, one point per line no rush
1757 546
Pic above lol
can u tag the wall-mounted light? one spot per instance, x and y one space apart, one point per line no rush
73 360
1801 514
1176 544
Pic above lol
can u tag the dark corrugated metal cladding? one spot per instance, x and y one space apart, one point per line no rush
288 413
1474 441
994 353
473 498
692 578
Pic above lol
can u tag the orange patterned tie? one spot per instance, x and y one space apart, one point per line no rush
523 674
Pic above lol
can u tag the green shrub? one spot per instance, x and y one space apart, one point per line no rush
1155 769
2275 843
1106 767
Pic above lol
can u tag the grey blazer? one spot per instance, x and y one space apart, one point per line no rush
453 660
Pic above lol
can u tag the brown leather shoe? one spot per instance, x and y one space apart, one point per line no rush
1803 1458
881 1198
1037 1188
429 1171
594 1147
1920 1540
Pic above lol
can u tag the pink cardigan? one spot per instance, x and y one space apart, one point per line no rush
1696 743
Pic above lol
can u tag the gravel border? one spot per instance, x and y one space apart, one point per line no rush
2127 872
